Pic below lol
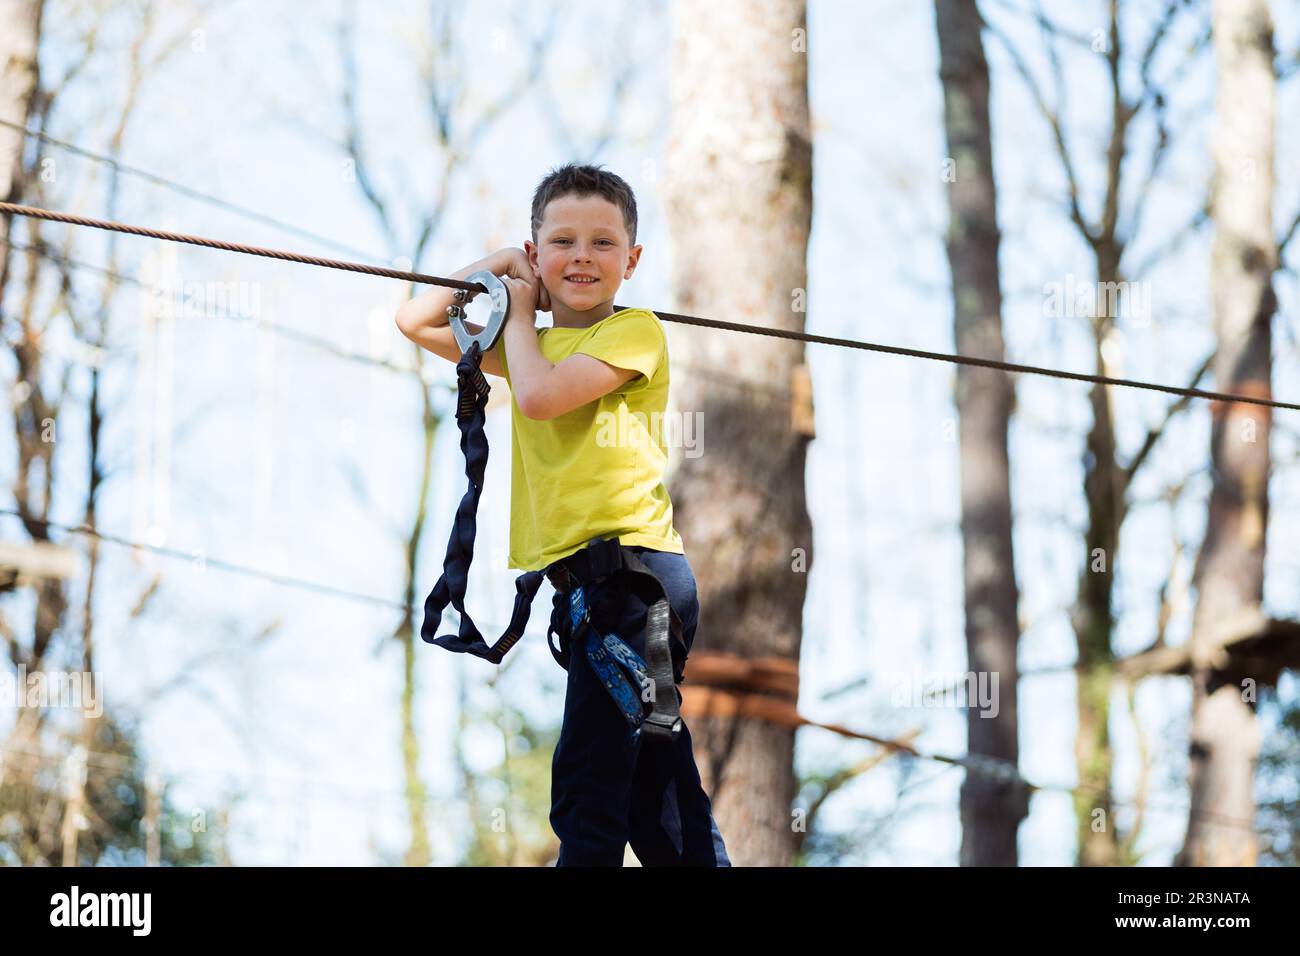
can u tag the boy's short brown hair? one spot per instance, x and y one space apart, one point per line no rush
585 180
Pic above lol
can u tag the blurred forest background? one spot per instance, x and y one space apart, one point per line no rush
228 481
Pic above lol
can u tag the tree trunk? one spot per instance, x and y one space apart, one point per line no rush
738 191
20 30
1229 573
1093 620
20 34
991 810
1105 486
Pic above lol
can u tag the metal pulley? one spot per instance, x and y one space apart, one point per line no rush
500 299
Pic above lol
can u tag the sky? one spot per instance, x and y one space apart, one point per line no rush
297 462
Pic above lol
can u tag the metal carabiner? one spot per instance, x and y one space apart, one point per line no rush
500 296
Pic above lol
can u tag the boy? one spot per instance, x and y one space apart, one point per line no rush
593 372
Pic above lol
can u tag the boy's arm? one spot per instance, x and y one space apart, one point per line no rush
573 383
423 319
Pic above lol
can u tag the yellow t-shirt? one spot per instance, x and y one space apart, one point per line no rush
597 471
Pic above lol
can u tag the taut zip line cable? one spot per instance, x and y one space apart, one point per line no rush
52 216
324 345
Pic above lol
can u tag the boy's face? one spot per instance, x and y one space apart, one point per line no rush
582 236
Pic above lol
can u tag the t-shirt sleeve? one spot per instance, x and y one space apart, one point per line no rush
633 341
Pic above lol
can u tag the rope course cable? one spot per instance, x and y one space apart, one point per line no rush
337 351
381 271
424 279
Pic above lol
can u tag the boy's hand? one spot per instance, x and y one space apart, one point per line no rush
517 265
523 298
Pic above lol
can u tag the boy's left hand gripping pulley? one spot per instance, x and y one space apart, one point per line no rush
473 346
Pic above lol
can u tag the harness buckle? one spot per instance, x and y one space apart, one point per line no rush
560 578
665 727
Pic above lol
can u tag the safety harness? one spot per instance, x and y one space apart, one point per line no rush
595 580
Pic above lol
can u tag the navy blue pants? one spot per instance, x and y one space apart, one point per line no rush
605 793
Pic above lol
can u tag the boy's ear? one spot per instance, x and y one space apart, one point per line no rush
633 257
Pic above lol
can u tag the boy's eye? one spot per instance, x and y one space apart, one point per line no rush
607 241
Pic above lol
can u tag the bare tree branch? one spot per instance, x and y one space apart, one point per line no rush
1154 94
1153 435
623 70
1053 121
1287 236
838 780
1174 240
351 143
1047 26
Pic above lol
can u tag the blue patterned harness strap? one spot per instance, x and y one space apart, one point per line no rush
630 681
